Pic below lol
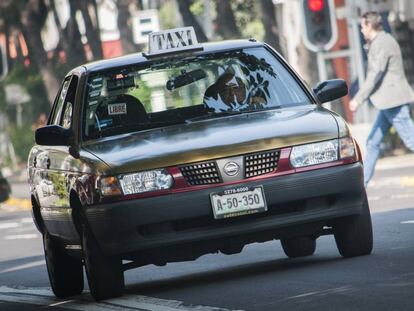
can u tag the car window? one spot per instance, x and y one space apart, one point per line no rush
187 90
66 119
60 98
67 116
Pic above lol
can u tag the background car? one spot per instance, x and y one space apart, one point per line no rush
5 189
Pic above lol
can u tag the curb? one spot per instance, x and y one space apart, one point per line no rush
15 204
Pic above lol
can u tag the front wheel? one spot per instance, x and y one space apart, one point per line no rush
298 247
105 275
65 272
353 235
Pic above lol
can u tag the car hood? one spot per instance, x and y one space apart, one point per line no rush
214 138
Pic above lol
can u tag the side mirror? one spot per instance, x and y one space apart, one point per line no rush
330 90
53 135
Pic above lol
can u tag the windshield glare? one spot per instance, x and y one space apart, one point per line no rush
187 90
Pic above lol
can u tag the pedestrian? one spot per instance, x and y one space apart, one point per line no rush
387 88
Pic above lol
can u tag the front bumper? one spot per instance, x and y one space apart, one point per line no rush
316 196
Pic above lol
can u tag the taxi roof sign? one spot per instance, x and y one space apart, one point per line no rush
173 40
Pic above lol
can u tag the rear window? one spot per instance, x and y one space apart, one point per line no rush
166 93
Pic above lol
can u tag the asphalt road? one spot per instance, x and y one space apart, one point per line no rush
260 278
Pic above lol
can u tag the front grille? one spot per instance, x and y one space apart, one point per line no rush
201 173
257 164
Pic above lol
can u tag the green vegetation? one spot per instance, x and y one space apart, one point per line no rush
22 139
31 81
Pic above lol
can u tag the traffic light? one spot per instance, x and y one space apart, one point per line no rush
320 31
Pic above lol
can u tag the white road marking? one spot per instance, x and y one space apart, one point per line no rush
322 293
407 222
397 181
59 303
21 236
24 266
26 220
45 297
8 225
23 229
402 196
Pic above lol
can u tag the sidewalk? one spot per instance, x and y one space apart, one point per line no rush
400 161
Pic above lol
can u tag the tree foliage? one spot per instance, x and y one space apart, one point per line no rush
41 71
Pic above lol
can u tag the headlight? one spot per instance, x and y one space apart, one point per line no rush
322 152
146 181
315 153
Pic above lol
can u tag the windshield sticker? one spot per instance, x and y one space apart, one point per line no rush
119 108
94 93
97 80
96 86
105 123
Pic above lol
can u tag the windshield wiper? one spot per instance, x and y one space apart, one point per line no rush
214 115
122 129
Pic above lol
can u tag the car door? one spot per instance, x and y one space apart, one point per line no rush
58 167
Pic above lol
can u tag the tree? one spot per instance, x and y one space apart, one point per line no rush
125 26
69 37
87 7
308 64
225 21
33 18
190 20
268 14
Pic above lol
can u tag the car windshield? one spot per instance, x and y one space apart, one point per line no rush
191 89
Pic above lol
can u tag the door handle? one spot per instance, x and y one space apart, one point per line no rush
48 163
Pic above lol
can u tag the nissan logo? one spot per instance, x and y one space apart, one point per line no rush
231 168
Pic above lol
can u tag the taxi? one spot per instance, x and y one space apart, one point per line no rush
190 149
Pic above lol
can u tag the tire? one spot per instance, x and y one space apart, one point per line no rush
105 274
298 247
65 272
353 235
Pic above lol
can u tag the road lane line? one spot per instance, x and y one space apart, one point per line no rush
407 222
26 220
158 304
402 196
45 297
8 225
22 229
322 293
59 303
21 236
24 266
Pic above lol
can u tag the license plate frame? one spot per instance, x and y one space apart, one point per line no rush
222 210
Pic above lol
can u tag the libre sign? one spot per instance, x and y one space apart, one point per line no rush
173 40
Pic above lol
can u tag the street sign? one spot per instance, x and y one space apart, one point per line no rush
16 94
143 23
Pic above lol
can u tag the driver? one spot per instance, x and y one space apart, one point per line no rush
229 89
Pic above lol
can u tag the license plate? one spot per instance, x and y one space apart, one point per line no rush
238 201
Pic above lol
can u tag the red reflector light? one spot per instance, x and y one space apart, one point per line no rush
316 5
